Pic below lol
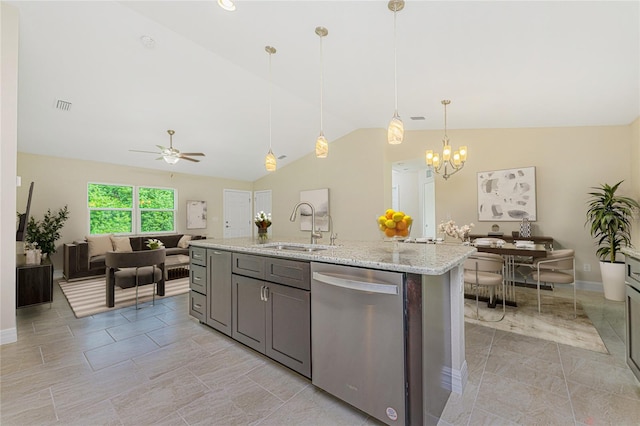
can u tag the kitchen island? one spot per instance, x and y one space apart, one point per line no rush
232 279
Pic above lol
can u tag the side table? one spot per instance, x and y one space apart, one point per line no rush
34 283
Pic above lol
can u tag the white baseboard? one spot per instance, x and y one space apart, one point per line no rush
10 335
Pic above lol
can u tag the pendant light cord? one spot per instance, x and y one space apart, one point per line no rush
321 83
446 138
395 62
270 102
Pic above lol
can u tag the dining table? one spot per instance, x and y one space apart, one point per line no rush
514 254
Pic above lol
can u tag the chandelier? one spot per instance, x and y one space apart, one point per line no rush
452 162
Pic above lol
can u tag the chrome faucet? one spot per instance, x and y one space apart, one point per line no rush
315 234
333 236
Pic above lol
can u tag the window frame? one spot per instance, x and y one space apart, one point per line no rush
136 217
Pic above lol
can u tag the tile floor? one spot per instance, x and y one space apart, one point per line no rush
160 366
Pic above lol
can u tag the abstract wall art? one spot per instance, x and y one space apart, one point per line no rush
507 195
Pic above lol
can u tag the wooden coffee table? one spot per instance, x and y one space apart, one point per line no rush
176 267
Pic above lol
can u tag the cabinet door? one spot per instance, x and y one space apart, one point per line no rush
249 311
289 327
219 290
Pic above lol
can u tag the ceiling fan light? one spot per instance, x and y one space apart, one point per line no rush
395 133
270 161
227 5
171 159
322 147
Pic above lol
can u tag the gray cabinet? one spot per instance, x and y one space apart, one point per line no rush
198 283
269 317
219 290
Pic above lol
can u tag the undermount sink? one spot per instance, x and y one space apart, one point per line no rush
294 247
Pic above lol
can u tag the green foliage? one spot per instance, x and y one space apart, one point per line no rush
610 217
110 221
46 232
156 221
156 198
110 196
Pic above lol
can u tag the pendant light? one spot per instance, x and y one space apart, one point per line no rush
270 159
454 161
395 133
322 146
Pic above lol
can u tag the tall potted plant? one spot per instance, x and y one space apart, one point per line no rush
44 233
609 216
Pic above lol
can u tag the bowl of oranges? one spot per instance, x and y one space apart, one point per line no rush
395 225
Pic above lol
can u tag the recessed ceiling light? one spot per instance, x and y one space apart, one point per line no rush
148 42
227 5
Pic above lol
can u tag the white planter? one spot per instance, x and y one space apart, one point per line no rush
613 280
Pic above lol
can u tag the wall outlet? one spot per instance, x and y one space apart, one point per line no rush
586 267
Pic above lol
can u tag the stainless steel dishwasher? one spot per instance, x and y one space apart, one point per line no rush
358 338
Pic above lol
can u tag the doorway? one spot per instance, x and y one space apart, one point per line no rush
237 213
413 192
262 203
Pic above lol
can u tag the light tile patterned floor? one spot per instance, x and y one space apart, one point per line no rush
160 366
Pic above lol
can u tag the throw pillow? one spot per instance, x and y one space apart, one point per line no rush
184 241
121 244
99 244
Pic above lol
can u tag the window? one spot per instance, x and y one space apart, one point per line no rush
112 209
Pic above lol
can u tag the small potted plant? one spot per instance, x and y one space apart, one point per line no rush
44 233
263 222
154 244
609 217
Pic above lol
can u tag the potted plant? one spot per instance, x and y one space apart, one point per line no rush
609 216
44 233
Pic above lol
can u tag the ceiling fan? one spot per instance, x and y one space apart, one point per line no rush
171 155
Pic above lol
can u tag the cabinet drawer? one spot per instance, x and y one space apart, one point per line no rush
633 271
198 256
198 305
288 272
198 278
248 265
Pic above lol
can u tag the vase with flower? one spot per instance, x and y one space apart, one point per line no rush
263 222
451 229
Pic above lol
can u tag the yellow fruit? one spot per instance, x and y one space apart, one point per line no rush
389 213
397 216
382 227
390 224
382 220
408 219
390 232
403 233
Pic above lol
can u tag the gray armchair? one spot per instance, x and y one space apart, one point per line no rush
133 269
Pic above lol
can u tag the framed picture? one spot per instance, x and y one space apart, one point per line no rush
319 198
507 195
196 214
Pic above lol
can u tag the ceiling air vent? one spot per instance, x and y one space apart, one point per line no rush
417 117
63 105
282 157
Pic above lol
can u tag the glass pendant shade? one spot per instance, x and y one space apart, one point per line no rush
428 156
227 5
436 160
171 159
446 153
395 133
463 153
270 161
322 147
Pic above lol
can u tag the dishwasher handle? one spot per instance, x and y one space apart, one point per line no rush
356 285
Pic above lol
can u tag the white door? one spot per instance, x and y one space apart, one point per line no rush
237 213
427 195
262 203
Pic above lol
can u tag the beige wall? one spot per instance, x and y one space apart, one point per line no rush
60 181
634 160
359 182
9 89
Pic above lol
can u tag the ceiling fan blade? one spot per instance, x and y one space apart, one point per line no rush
193 154
147 152
189 159
160 158
162 148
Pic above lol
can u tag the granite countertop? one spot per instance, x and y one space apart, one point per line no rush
424 259
631 252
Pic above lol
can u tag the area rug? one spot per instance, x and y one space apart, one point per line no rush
88 297
554 323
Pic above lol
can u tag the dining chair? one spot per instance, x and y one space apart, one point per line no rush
485 270
558 267
133 269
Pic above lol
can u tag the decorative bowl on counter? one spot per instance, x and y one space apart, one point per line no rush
395 226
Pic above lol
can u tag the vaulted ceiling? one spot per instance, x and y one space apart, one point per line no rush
503 65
